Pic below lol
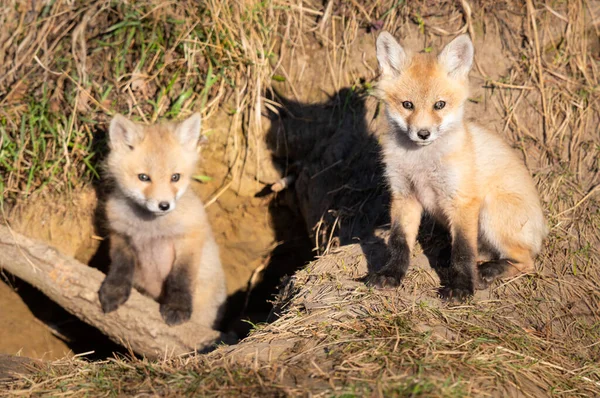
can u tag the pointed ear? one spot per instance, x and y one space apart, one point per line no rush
457 56
124 132
188 131
390 54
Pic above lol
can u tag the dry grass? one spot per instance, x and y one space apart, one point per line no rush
533 336
70 66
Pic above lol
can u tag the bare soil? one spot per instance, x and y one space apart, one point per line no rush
22 333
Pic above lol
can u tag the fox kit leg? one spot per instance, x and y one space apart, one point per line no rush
177 292
176 297
518 261
406 216
116 288
463 259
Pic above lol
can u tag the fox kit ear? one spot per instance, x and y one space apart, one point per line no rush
188 131
457 56
124 132
390 54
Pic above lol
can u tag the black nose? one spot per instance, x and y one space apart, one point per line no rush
423 134
164 206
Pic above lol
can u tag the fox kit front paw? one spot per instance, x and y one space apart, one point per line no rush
176 312
116 288
389 276
176 301
456 293
112 294
463 267
399 247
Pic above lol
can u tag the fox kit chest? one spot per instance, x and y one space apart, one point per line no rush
427 178
429 185
155 258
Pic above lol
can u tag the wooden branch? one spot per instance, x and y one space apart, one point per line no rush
136 324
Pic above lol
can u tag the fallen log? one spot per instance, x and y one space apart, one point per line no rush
137 324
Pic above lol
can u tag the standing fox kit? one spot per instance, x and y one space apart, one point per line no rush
160 238
466 177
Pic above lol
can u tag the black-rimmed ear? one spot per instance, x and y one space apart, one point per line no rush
124 133
457 56
188 131
390 55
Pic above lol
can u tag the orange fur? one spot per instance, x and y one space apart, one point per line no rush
406 211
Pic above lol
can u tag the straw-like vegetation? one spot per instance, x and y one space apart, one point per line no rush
68 67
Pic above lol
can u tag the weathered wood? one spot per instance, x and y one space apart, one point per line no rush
136 324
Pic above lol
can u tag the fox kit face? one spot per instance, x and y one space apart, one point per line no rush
152 165
424 94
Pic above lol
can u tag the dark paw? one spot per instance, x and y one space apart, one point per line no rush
455 294
175 313
111 296
480 284
490 271
385 278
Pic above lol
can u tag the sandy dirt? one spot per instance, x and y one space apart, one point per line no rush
22 333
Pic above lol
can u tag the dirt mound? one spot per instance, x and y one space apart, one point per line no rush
337 330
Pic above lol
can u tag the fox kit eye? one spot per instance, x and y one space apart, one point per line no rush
408 105
439 105
144 177
175 177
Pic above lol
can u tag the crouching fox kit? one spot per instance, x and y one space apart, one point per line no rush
160 238
465 176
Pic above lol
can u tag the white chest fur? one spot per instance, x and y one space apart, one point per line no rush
153 240
155 260
421 172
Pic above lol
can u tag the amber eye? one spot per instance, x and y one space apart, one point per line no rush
144 177
175 177
439 105
408 105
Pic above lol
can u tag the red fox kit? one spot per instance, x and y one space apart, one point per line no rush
466 177
160 238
